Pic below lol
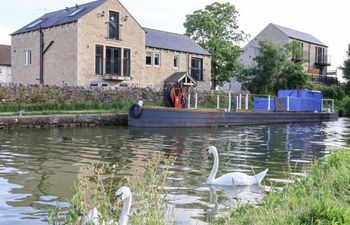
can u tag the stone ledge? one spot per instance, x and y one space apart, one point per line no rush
63 120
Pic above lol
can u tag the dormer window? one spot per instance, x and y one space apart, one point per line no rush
113 28
76 11
35 23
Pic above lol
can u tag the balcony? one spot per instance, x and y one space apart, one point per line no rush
114 69
323 60
325 80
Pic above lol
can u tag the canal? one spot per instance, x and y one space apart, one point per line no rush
37 168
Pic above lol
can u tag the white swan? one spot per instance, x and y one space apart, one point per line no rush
235 178
122 194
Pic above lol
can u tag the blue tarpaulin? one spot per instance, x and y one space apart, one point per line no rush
299 100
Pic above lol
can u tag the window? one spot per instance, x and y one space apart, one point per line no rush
99 60
176 61
78 10
156 59
113 25
113 61
197 68
35 23
149 58
27 57
126 62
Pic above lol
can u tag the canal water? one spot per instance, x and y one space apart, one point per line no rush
37 169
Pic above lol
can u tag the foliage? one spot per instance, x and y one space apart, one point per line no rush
274 70
54 107
97 190
320 198
344 107
216 29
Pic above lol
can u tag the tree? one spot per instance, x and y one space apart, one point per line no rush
216 29
274 70
346 73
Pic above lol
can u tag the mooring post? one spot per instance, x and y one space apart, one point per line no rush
218 101
287 103
246 102
240 101
269 103
196 100
189 101
229 101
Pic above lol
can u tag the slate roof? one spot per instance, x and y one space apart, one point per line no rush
172 41
5 55
154 38
60 17
178 76
299 35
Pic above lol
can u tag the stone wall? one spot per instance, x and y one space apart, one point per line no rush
46 93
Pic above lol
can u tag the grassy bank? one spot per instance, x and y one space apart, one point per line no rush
323 197
120 106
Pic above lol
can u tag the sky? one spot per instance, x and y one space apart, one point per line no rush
324 19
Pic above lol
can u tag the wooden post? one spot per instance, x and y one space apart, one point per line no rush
269 103
237 102
196 100
287 103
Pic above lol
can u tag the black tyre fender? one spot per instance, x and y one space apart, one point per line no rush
135 111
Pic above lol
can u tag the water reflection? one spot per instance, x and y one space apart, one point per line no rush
37 168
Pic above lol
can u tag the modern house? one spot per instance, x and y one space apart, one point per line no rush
101 44
5 63
314 52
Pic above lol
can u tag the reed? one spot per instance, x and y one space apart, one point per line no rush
149 205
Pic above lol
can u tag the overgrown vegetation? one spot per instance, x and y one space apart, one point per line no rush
97 189
320 198
57 107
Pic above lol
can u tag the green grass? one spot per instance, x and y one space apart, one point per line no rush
323 197
120 106
149 205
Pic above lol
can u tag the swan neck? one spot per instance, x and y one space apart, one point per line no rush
214 170
123 219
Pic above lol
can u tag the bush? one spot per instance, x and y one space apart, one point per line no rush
344 107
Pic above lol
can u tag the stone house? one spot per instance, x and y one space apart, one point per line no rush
5 63
315 53
101 44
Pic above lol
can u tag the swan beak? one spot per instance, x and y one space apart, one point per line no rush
117 201
205 154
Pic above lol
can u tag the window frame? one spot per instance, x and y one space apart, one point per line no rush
115 36
159 63
100 62
27 57
176 61
149 54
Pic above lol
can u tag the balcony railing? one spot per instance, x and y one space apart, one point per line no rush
326 80
323 60
113 68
